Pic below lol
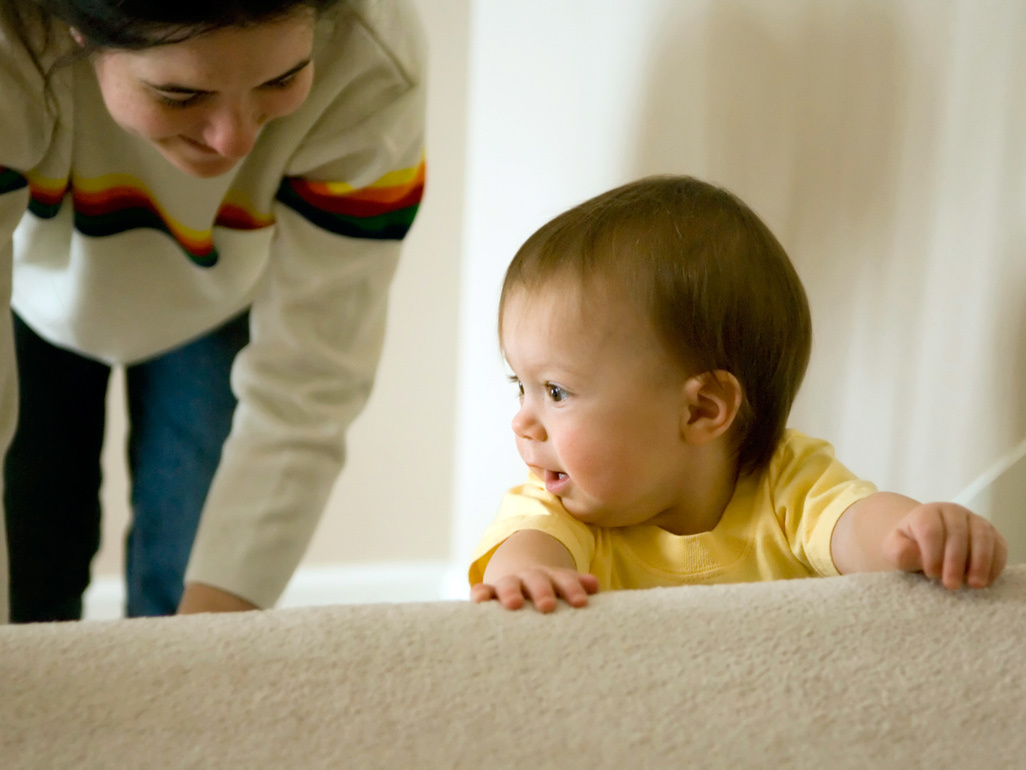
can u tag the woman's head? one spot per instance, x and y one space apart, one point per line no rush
712 281
197 79
201 102
136 24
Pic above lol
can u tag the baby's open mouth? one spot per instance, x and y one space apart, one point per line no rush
557 482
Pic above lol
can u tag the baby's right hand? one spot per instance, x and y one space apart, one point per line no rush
540 585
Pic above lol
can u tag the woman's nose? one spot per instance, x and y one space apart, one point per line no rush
233 133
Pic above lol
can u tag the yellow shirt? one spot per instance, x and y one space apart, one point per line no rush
776 526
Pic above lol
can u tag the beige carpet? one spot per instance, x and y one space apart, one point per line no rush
872 671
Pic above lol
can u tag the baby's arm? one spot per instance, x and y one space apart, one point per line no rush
944 541
535 566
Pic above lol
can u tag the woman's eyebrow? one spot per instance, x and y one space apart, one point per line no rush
175 88
288 73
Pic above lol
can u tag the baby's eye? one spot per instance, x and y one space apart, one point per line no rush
520 386
556 393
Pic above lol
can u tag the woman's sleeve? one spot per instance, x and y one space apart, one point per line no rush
317 326
12 205
25 131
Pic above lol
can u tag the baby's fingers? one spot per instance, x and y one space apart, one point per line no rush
956 546
989 553
510 592
902 551
590 582
538 587
982 555
574 587
482 592
925 526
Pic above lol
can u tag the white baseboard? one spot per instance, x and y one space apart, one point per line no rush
349 584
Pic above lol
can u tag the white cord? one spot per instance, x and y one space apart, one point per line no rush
989 476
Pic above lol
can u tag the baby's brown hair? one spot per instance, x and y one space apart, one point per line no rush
718 287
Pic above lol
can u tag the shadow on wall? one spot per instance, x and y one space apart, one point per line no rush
800 112
1011 302
1001 495
841 123
1003 500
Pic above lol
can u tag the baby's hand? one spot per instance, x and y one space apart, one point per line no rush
540 585
947 542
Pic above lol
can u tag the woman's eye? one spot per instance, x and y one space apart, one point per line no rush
556 393
281 84
177 101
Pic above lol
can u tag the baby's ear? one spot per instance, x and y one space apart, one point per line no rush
711 403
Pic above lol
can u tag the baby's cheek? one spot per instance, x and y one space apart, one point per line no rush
598 467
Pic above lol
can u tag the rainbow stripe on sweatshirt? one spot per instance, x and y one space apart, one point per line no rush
116 203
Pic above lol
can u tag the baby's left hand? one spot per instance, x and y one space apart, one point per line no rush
949 543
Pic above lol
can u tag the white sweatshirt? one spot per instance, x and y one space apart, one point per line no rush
121 256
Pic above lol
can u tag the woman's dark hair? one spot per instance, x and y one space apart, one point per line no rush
136 24
131 25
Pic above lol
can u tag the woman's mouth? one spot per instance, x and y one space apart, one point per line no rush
204 148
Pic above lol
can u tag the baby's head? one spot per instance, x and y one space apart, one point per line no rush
687 275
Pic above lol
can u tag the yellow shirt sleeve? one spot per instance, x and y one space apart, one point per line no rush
810 489
531 506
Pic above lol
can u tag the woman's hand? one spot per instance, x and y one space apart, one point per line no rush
203 598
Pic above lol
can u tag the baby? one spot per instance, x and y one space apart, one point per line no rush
658 335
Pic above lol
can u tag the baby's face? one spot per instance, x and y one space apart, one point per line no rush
600 408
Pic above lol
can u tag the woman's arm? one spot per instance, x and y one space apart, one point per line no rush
350 190
12 206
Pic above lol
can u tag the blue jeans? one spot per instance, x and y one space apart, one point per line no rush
180 408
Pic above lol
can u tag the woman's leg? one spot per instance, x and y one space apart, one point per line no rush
52 478
180 407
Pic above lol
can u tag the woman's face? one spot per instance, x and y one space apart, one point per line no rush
202 102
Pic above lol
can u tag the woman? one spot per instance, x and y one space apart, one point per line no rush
197 188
